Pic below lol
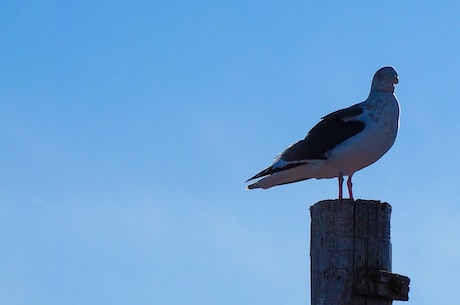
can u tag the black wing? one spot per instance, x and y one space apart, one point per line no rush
345 114
326 135
332 130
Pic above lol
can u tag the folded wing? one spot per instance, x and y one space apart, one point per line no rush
332 130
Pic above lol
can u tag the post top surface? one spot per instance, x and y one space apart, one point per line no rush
350 203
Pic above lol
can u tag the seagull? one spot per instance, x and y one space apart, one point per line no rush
343 142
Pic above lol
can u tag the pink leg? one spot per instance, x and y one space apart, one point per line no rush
350 187
340 186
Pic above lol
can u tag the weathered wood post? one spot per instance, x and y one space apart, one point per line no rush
351 254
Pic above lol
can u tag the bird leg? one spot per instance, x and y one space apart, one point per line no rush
350 187
340 187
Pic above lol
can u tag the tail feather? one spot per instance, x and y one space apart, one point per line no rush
292 174
265 172
272 170
252 186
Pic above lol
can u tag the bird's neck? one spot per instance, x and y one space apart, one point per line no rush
377 96
389 89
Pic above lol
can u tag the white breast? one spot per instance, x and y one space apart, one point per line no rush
382 119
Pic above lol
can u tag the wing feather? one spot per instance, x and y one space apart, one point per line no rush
332 130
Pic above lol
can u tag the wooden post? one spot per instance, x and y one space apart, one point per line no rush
351 254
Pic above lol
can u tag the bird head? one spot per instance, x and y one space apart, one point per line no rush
385 79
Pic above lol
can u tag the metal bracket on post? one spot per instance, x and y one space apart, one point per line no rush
381 283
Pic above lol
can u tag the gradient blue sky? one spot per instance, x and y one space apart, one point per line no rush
128 129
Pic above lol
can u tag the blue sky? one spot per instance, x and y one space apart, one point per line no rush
128 129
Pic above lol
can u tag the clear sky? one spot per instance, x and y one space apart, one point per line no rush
128 129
